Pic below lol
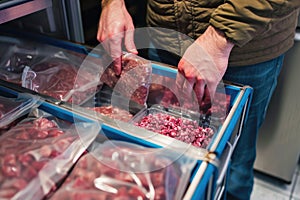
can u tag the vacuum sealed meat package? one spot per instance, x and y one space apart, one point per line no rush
122 170
134 81
17 53
62 77
13 108
38 152
15 59
113 112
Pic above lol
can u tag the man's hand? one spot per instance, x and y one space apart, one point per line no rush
116 24
203 66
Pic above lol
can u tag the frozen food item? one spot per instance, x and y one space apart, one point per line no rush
186 129
37 153
218 109
121 170
13 108
134 81
181 129
15 58
113 112
7 106
59 77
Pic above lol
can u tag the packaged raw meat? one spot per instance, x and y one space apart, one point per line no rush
38 152
17 53
122 170
113 112
13 108
186 126
134 81
62 77
16 57
163 91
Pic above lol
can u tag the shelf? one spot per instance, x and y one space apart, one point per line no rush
13 9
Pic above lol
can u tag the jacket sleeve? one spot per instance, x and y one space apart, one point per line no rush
241 20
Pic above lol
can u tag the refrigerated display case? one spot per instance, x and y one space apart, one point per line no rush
207 180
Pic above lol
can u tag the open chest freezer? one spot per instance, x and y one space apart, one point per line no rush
207 180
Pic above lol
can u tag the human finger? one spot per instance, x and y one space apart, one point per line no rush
199 89
129 42
115 45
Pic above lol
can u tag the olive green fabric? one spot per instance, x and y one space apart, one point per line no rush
260 29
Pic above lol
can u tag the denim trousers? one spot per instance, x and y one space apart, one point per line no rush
262 77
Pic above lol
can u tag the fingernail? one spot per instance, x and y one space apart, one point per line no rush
134 51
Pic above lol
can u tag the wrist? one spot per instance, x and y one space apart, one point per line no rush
214 39
107 2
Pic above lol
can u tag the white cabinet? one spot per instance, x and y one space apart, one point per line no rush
278 144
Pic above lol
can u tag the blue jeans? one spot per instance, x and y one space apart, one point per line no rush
262 78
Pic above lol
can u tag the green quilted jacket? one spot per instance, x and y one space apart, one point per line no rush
260 29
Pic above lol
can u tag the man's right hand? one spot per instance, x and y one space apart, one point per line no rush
115 25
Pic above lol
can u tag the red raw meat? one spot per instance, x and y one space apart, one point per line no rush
25 150
56 78
82 182
135 84
181 129
114 112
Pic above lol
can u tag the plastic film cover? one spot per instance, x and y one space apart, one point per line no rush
122 170
38 152
12 109
63 77
135 78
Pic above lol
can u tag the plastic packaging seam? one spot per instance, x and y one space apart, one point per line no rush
30 103
47 177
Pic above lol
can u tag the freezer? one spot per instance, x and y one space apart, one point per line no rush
99 104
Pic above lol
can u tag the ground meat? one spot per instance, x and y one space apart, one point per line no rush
181 129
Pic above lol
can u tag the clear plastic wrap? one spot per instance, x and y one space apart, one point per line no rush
163 92
134 81
38 152
13 108
184 125
113 112
15 59
17 53
122 170
62 76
